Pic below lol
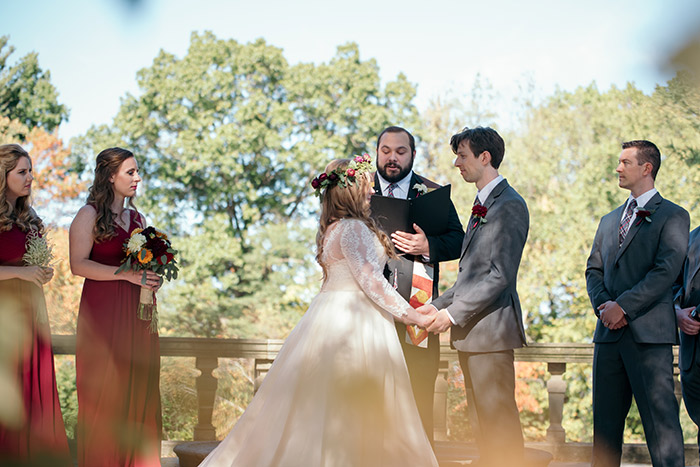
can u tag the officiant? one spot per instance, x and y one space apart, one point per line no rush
415 274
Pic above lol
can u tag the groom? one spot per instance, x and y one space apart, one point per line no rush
396 150
482 307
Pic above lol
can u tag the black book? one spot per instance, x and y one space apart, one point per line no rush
430 211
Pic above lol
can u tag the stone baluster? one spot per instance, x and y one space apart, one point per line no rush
206 394
556 389
440 403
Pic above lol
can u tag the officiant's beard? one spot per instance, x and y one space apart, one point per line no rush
395 177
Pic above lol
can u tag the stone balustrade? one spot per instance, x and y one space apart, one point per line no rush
263 352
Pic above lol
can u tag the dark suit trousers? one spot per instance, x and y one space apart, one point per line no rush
423 365
491 376
690 382
620 370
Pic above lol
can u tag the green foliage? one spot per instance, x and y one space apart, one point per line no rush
26 92
562 159
178 397
229 138
67 392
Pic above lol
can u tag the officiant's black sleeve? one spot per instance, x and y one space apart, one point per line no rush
447 246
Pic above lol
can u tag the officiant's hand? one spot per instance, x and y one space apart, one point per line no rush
413 244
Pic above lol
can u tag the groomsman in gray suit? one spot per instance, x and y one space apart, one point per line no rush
687 300
636 256
482 308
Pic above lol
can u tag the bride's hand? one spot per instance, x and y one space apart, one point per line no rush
423 321
421 317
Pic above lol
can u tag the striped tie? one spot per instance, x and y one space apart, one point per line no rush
390 190
626 220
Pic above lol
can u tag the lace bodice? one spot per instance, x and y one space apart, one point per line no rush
355 259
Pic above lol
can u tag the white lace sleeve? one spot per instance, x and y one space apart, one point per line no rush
357 242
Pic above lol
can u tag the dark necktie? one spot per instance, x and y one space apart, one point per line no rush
472 219
626 220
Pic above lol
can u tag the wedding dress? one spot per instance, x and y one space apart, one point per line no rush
338 393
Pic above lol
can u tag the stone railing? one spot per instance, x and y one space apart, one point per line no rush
263 352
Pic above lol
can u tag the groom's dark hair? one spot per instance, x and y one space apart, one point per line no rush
646 152
481 139
398 129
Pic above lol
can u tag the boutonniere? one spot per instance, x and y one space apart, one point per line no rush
420 188
643 215
479 214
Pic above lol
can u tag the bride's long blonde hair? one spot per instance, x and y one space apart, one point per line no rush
348 202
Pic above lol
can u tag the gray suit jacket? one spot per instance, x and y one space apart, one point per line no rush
689 295
484 301
639 274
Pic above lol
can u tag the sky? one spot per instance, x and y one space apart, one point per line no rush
94 48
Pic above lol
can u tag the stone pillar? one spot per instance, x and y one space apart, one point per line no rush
262 366
440 403
556 388
206 393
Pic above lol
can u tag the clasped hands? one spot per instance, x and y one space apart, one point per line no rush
612 316
687 324
436 321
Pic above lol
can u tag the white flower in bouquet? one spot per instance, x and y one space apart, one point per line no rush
38 252
135 243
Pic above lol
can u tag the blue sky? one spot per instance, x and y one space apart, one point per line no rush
93 48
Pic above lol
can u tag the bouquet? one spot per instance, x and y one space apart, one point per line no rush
149 250
38 252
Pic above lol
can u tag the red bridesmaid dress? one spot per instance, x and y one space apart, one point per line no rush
118 370
41 438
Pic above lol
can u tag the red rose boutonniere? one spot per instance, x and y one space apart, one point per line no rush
479 214
643 215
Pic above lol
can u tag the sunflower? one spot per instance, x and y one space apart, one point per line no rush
145 256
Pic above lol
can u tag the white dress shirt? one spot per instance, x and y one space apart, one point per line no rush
642 201
402 188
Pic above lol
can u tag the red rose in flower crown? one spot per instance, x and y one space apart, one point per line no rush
479 214
643 215
357 166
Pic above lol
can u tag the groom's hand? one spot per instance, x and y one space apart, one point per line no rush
441 324
412 244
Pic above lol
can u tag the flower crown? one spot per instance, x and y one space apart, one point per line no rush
343 177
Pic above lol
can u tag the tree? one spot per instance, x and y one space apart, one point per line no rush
26 92
563 163
228 138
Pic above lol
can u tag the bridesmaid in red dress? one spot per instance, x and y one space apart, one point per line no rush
117 358
37 435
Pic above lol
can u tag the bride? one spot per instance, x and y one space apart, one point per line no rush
338 393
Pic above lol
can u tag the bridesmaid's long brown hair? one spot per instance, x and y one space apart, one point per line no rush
101 193
21 213
346 203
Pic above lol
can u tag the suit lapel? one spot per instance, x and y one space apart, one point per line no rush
653 206
412 192
493 196
377 185
693 261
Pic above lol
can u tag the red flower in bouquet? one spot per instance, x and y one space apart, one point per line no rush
149 250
